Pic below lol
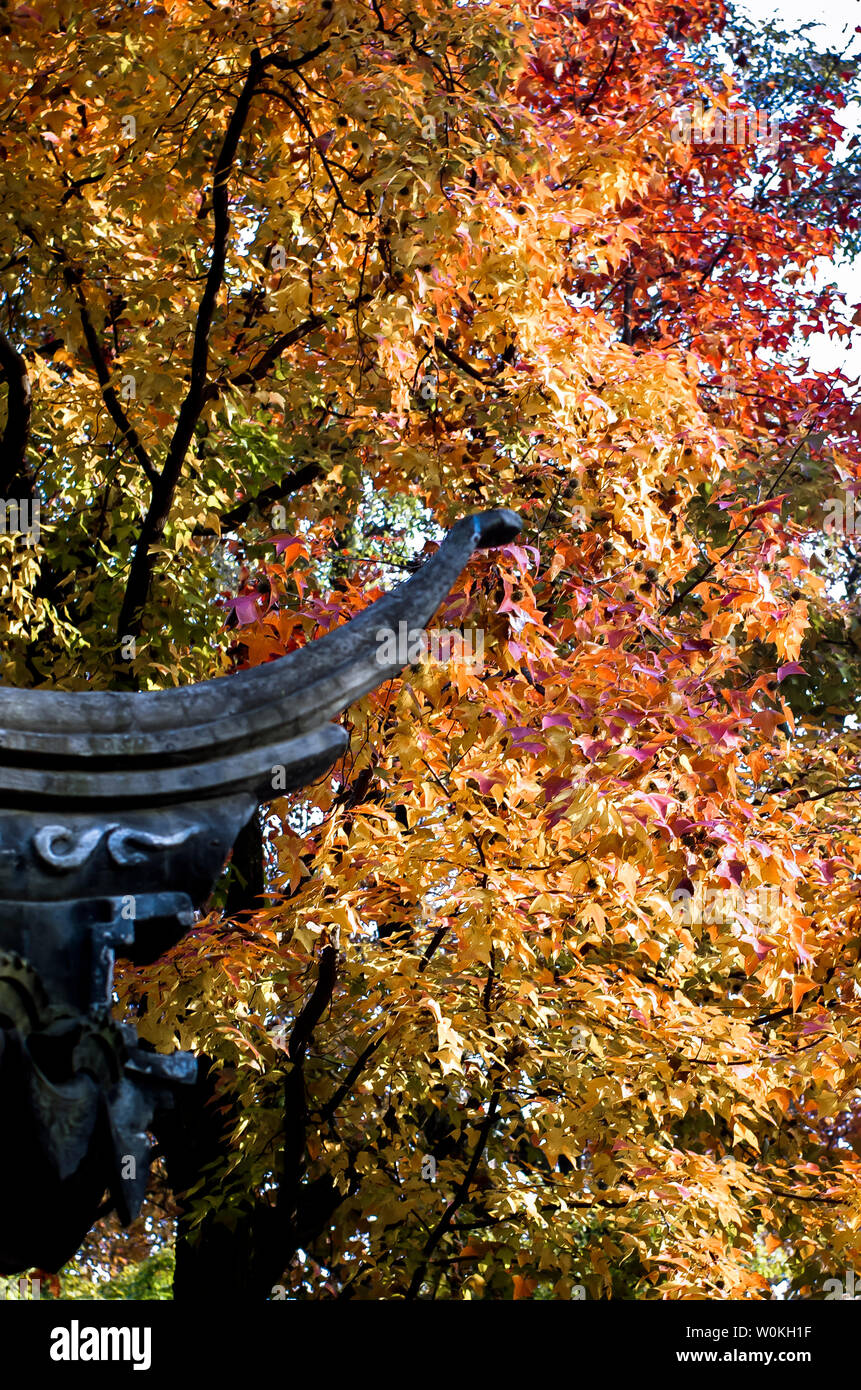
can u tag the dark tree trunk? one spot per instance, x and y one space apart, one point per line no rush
246 881
212 1258
242 1253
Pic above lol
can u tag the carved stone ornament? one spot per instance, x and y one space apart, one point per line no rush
117 813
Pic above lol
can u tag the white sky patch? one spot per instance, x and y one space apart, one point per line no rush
835 22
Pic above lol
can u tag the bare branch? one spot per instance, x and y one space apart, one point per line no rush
601 83
258 370
458 1199
352 1076
458 361
163 490
285 64
295 1100
199 391
111 399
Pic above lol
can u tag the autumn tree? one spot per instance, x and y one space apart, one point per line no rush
552 987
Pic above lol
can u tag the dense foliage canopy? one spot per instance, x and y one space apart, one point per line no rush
555 984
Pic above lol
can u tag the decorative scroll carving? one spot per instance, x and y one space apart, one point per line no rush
83 843
120 840
80 846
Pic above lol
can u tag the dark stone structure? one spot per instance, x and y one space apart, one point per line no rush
117 813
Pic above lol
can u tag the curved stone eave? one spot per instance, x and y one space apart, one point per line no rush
62 745
265 772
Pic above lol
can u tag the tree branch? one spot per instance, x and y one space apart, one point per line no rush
601 83
458 1199
627 308
742 532
295 1101
290 483
137 589
458 361
111 399
352 1076
258 369
285 64
199 391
